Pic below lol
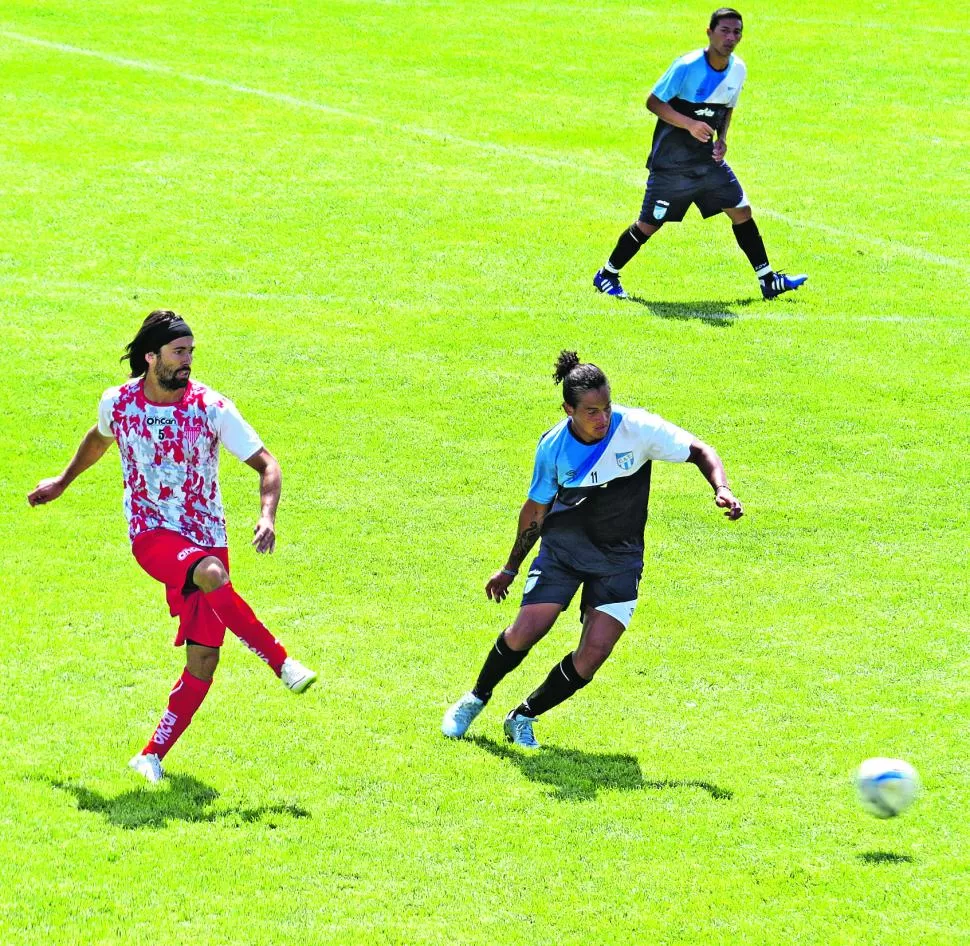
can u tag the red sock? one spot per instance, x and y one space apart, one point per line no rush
239 618
186 697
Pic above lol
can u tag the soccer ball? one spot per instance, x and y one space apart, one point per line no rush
887 787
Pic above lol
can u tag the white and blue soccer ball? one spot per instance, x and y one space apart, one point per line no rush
887 787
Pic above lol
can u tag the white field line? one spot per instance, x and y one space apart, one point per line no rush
544 160
31 287
901 23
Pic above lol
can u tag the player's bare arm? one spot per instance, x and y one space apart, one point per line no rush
706 459
720 146
92 448
699 130
270 485
531 517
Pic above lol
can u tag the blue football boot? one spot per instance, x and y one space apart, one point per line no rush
774 284
608 282
518 730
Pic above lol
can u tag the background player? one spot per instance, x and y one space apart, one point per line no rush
588 500
693 102
168 429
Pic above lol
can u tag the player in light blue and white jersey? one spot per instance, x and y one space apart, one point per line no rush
693 102
588 501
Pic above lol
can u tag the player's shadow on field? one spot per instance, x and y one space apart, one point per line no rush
177 798
714 312
579 776
885 857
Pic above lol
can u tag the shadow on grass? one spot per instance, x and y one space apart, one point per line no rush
714 312
885 857
715 791
177 798
579 776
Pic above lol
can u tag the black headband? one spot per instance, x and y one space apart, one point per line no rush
163 334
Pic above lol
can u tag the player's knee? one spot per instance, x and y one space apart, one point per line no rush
590 657
646 229
528 629
201 661
739 214
210 574
520 636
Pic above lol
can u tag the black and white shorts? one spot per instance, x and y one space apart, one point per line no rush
551 582
670 193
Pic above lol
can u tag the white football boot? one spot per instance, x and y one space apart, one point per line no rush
295 676
461 715
149 766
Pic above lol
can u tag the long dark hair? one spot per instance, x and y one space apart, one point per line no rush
576 377
155 331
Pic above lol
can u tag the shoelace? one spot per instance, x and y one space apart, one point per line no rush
523 730
465 713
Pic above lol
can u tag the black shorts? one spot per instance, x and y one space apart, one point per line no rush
670 193
551 582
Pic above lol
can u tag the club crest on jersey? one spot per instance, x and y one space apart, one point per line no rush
192 434
625 460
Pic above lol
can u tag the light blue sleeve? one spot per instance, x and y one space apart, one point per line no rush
545 484
670 82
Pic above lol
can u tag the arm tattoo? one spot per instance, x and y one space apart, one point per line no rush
526 539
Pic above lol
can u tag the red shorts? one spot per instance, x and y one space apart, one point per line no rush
167 557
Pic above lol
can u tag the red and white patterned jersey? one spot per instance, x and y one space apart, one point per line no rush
170 457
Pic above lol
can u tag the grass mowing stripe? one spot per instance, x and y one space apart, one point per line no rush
544 160
31 289
863 24
403 387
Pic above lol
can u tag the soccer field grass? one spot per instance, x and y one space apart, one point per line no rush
382 220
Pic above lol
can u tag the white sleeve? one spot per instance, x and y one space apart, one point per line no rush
105 410
236 435
742 75
660 439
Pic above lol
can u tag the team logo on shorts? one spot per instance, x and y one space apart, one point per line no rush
660 209
625 460
534 575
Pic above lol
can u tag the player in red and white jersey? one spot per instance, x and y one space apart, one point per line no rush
168 429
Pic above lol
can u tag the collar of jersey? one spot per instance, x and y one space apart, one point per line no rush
720 72
596 449
147 400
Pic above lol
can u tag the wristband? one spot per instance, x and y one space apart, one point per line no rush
717 489
509 572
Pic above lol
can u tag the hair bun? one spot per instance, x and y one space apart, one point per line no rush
565 363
